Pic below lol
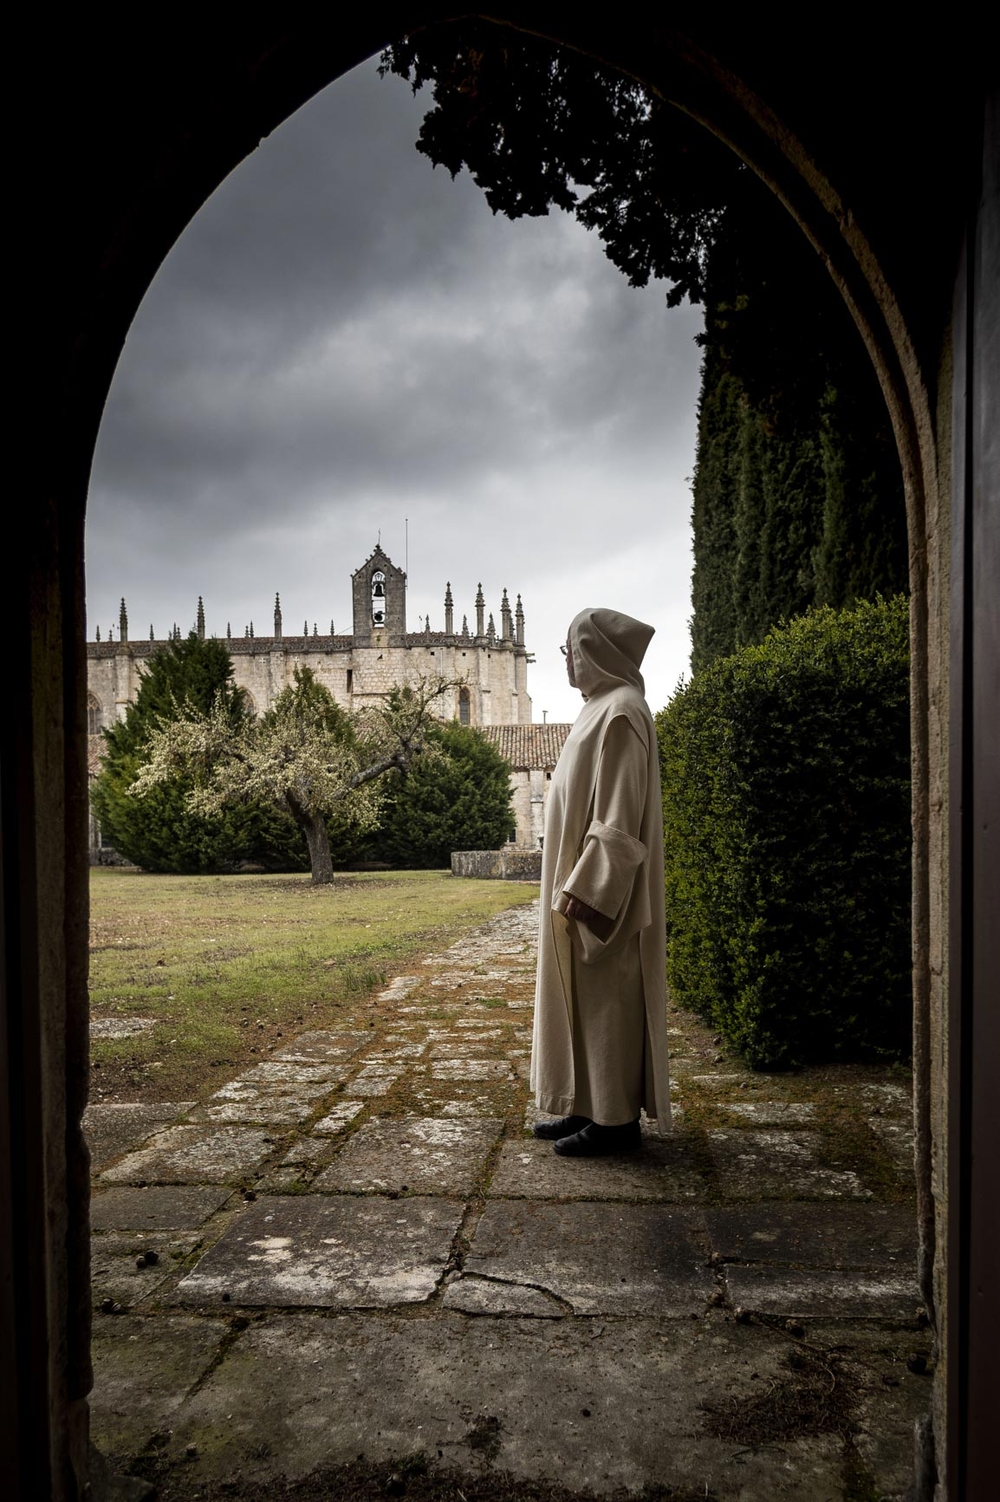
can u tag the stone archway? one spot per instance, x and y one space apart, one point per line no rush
884 192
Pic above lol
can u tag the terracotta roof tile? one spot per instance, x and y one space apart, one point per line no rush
527 747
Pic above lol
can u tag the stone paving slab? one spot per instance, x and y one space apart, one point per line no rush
822 1294
256 1109
471 1069
121 1027
598 1258
375 1079
155 1208
337 1118
190 1155
287 1179
757 1165
400 987
891 1097
292 1075
815 1235
112 1129
663 1169
308 1151
897 1139
113 1270
490 1097
466 1109
461 1048
143 1371
719 1081
428 1155
321 1046
325 1252
586 1404
771 1112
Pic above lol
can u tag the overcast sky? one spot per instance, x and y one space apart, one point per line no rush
343 339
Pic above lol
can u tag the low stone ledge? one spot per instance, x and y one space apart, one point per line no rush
512 864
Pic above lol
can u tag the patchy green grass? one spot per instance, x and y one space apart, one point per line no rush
224 965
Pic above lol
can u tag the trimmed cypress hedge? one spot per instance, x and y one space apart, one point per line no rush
786 799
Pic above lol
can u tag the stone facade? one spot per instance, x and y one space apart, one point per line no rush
358 669
488 666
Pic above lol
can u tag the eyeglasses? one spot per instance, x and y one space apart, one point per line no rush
564 649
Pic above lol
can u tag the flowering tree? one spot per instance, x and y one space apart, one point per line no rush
307 755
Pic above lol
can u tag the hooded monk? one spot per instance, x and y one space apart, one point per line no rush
599 1050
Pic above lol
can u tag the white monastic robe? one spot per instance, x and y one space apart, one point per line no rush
599 1047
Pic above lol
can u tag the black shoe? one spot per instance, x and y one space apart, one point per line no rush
594 1141
563 1126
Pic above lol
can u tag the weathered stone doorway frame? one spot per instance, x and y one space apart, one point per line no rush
121 190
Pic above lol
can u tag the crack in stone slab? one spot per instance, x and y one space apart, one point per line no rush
466 1293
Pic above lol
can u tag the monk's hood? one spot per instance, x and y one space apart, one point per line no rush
607 649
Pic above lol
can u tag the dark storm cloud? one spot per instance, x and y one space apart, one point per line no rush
345 337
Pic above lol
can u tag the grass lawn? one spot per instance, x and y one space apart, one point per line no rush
225 966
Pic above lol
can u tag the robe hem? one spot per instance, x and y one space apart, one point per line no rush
555 1105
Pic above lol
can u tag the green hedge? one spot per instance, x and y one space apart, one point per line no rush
786 799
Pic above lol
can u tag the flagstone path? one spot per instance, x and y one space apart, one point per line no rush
356 1248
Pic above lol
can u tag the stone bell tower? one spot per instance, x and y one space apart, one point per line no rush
379 593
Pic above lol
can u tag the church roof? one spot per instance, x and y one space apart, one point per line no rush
527 747
252 646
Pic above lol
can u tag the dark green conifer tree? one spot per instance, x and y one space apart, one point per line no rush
458 799
797 490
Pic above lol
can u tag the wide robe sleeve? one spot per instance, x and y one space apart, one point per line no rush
612 853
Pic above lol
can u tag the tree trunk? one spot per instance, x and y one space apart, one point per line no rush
313 826
319 850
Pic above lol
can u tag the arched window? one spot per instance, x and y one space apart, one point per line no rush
93 715
464 707
250 701
378 598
